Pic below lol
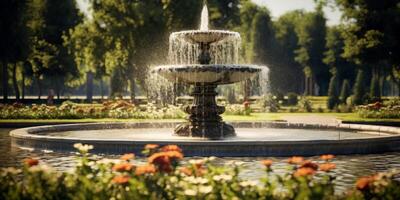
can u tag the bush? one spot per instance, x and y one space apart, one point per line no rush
358 90
109 109
378 110
292 99
344 92
237 109
333 98
269 103
305 104
163 176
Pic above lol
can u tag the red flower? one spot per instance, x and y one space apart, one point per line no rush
309 164
127 156
305 171
171 148
163 160
121 179
31 162
122 167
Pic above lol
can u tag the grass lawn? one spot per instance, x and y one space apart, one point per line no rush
253 117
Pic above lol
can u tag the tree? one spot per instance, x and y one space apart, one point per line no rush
311 31
285 70
48 21
13 42
333 55
372 35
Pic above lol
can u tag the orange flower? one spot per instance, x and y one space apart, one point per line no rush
304 171
295 160
122 167
121 179
31 162
127 156
174 155
364 182
327 157
151 146
171 148
326 167
146 169
309 164
186 171
267 163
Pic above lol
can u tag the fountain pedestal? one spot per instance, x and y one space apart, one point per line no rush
204 119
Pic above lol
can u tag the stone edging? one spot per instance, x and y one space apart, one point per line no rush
34 138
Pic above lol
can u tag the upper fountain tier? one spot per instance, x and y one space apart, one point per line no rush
205 36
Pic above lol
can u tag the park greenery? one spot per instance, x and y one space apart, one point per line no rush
163 175
110 48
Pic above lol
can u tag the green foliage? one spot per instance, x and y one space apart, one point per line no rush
164 176
113 109
375 89
237 109
377 110
292 99
358 89
333 97
345 91
305 104
270 103
311 32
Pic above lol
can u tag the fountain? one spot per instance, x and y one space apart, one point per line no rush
205 59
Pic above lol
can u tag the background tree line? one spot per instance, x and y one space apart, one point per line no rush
49 44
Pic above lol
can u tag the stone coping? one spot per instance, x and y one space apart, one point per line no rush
35 137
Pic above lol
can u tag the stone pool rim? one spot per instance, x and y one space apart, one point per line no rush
35 137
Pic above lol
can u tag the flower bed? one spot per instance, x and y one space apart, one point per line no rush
163 176
391 110
109 109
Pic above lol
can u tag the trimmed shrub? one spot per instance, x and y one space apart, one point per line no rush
292 99
333 99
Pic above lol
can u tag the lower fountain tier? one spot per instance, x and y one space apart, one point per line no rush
208 73
204 120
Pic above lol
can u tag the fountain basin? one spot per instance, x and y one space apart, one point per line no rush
253 138
205 36
211 73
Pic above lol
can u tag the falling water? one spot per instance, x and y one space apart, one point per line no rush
263 81
182 51
204 19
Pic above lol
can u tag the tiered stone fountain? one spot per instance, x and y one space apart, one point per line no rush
205 58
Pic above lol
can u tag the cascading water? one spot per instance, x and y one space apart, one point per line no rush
205 59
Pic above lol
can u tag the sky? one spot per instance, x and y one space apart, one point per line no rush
276 7
279 7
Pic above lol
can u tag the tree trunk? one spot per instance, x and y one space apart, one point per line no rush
39 83
101 88
58 88
89 86
132 89
5 81
23 86
14 81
